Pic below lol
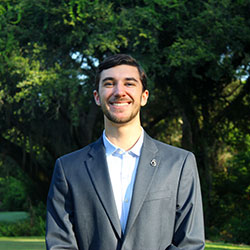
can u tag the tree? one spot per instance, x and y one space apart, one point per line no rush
203 65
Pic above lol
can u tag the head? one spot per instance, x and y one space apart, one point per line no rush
120 59
121 89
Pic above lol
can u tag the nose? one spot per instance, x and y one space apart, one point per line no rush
119 89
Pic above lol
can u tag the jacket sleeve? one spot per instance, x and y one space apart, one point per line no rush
189 224
59 226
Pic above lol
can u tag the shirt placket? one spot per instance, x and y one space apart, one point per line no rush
125 188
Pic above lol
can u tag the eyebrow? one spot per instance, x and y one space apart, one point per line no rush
112 79
108 79
131 79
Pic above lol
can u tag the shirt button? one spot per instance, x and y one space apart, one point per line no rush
126 200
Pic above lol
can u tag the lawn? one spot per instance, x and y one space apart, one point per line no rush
13 216
22 243
223 246
37 243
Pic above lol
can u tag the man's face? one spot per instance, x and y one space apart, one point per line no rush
121 94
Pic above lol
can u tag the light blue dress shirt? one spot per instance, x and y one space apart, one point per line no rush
122 166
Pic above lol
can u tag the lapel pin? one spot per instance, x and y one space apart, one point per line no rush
153 163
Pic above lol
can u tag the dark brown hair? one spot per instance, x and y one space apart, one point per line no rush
120 59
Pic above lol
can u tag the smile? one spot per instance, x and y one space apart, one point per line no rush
120 104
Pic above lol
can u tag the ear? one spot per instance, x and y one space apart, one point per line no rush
144 97
96 97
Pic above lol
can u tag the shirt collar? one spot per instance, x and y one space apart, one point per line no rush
111 148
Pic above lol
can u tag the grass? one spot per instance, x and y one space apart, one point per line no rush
13 216
223 246
22 243
38 243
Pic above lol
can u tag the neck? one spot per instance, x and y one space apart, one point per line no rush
123 135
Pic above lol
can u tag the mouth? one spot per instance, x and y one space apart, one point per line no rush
120 104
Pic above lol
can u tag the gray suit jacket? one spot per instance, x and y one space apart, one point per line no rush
166 208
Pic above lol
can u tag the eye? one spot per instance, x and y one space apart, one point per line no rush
108 84
130 84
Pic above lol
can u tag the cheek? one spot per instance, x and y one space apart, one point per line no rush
102 97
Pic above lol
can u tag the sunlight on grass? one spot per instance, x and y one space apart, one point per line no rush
23 239
22 243
221 246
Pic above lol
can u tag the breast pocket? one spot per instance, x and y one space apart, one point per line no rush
162 194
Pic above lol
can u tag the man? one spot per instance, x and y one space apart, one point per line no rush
126 190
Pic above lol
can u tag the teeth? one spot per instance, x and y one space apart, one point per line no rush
120 104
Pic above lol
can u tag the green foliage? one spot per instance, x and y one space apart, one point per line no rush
236 229
232 192
13 194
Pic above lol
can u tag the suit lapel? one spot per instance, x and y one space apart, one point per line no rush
146 170
98 170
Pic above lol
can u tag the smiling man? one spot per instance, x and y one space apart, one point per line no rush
126 190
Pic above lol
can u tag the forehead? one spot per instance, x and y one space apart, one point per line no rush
120 72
